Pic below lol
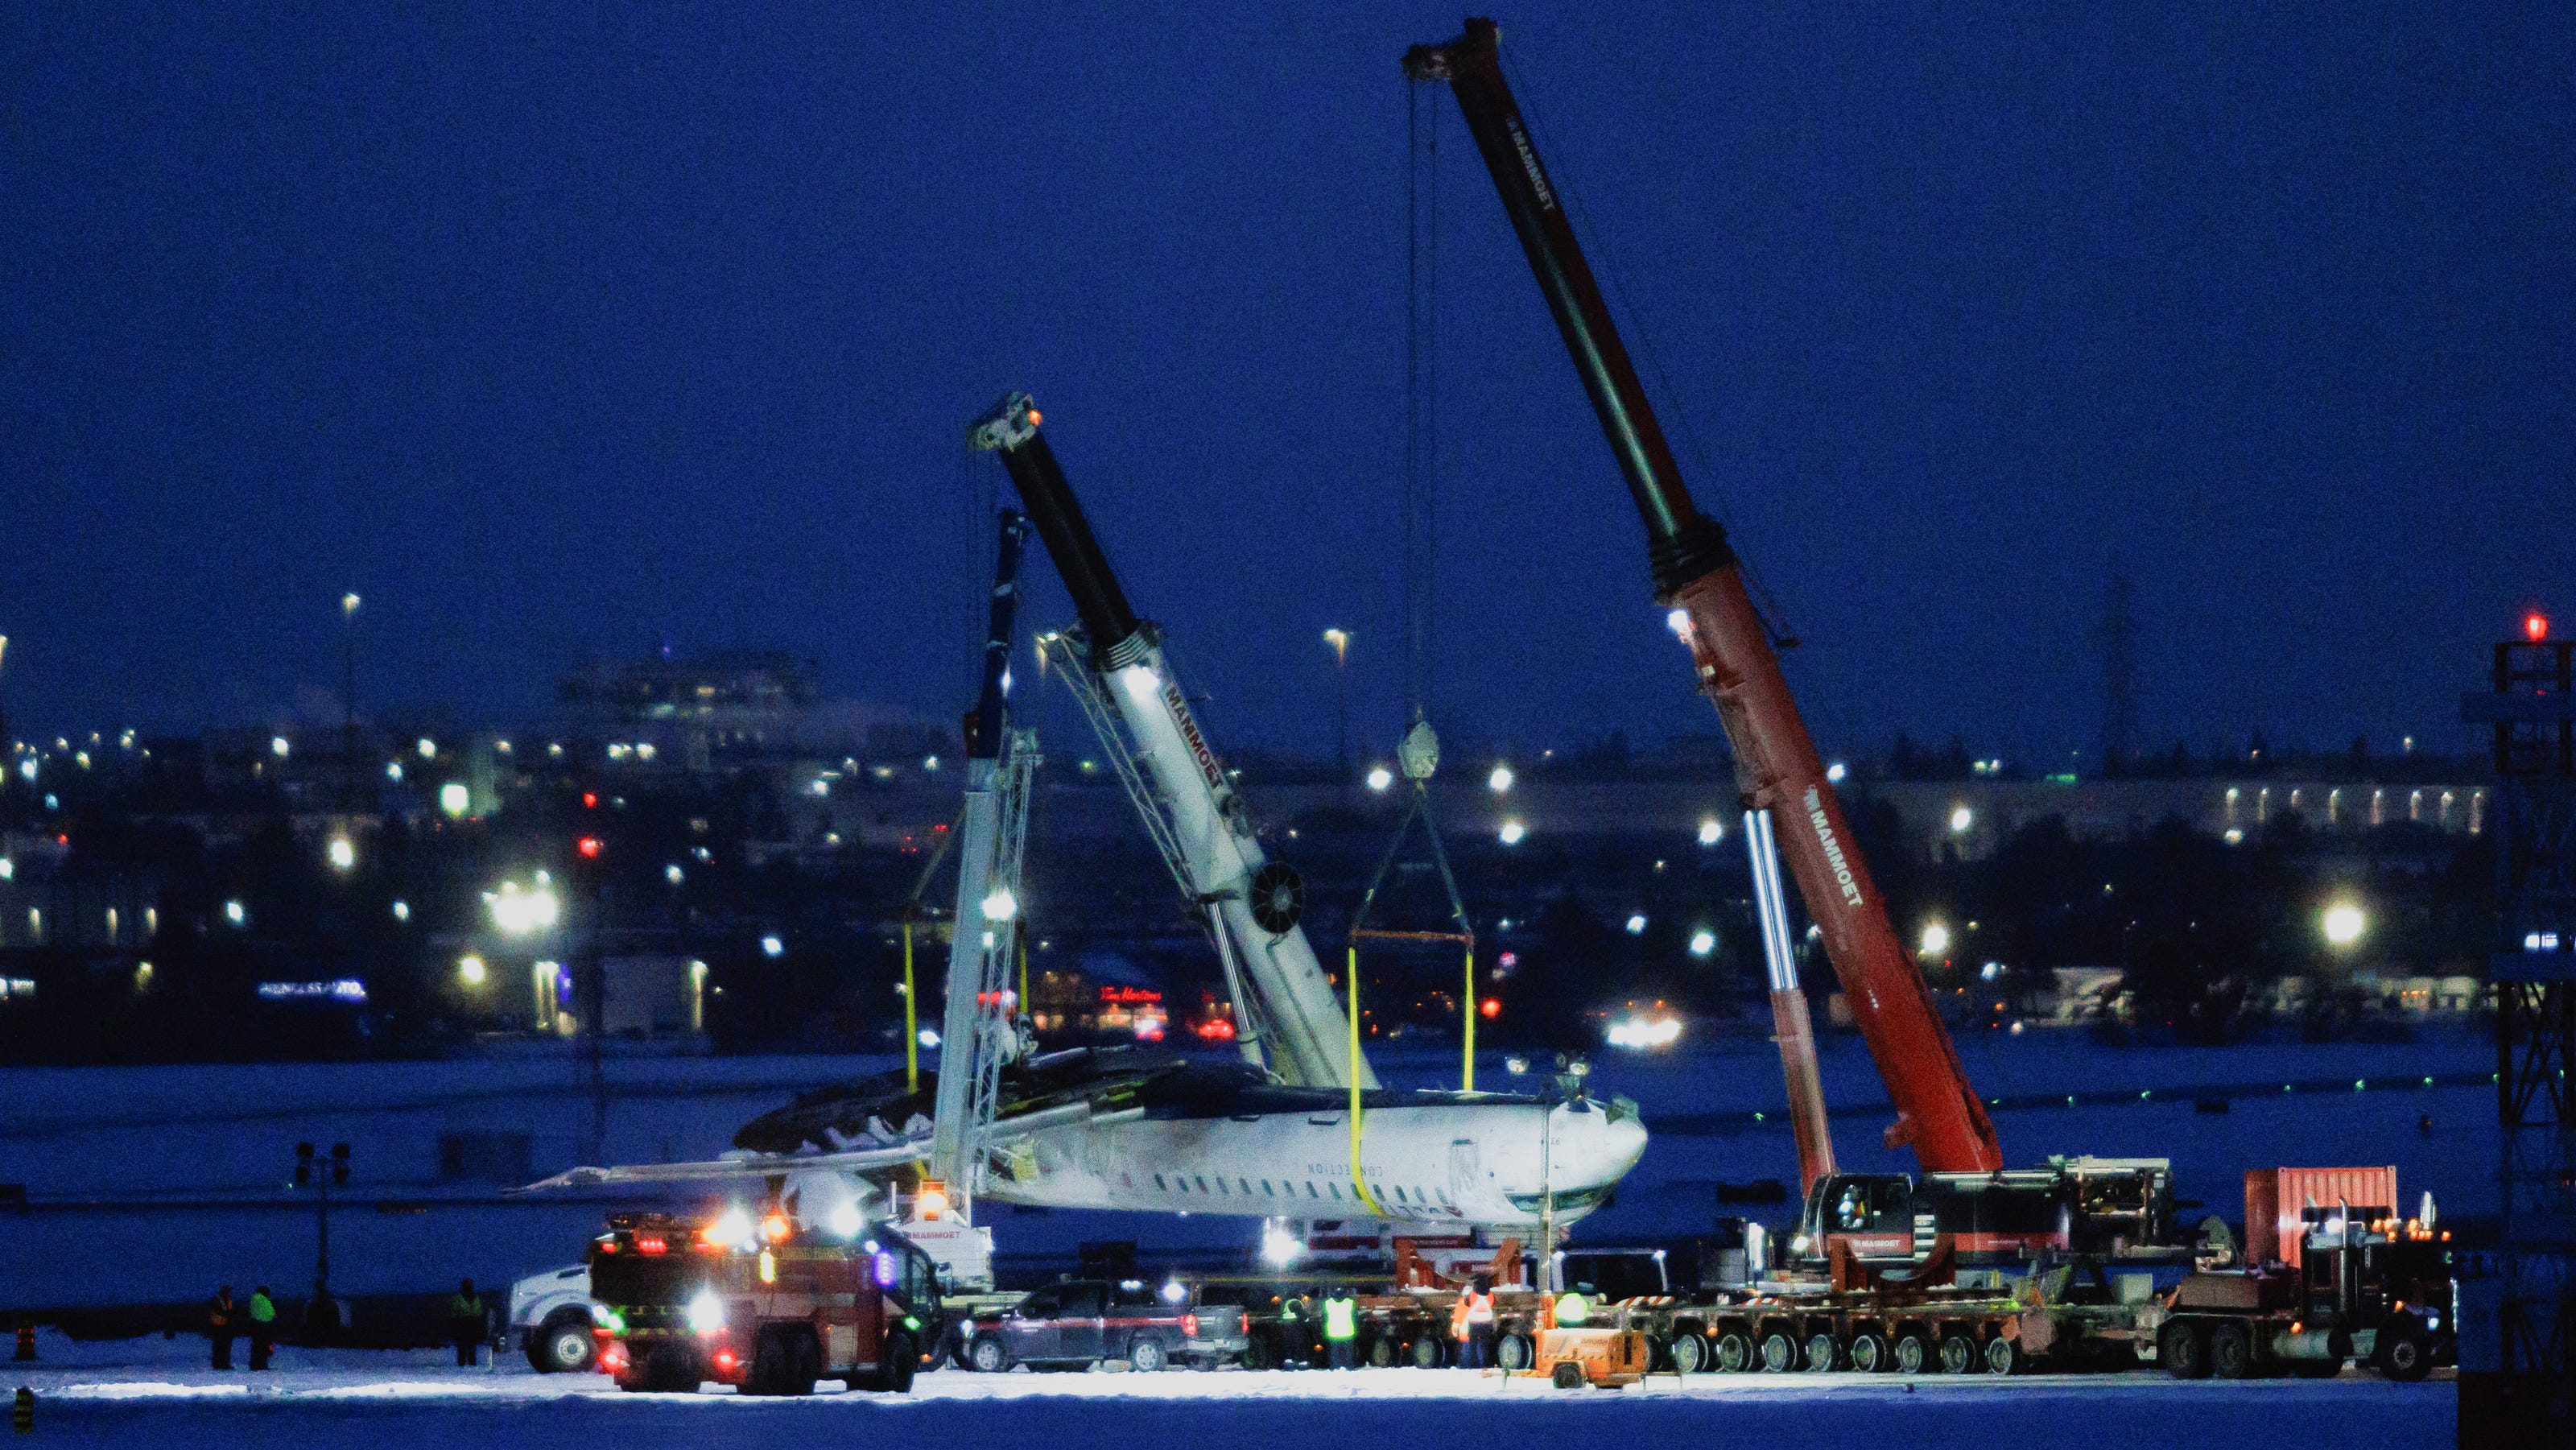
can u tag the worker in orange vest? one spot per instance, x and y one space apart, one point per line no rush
1471 1323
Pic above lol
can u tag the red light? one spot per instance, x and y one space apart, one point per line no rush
589 847
652 1244
590 800
2536 625
1190 1325
1490 1007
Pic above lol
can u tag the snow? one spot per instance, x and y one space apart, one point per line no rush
143 1394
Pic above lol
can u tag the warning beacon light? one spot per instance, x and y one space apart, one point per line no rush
931 1204
2535 626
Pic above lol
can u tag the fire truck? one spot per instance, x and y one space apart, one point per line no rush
759 1303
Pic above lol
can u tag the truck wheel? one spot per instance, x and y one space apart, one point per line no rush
1735 1352
1690 1353
1779 1352
563 1344
987 1355
2231 1352
1824 1354
2004 1356
1567 1375
768 1364
2403 1354
804 1362
1959 1354
1381 1353
902 1361
1257 1354
1147 1356
1424 1352
1869 1351
2184 1354
1515 1352
1912 1352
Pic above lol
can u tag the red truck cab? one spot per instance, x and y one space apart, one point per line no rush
759 1303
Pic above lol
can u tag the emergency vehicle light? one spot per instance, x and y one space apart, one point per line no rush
885 1271
651 1244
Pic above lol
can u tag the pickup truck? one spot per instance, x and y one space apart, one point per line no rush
1082 1322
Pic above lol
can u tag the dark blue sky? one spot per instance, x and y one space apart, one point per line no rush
558 331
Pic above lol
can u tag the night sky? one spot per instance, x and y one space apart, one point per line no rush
559 332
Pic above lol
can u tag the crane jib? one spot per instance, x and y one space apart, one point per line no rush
1695 571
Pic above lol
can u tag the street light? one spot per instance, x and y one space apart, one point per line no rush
2343 923
1936 939
343 855
1379 777
1500 782
1340 640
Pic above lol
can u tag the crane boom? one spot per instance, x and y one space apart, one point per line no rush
1253 903
975 1032
1696 573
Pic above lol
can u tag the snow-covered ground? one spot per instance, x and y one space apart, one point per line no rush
156 1184
142 1394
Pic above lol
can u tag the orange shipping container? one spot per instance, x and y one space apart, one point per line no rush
2278 1204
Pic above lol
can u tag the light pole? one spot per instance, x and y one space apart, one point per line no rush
349 698
1340 640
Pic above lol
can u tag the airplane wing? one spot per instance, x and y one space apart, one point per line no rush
862 1160
749 1165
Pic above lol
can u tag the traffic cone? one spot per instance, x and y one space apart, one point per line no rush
22 1411
26 1338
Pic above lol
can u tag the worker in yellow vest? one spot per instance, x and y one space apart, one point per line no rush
1341 1324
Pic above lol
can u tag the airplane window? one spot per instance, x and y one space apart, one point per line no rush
1220 1185
1158 1184
1247 1184
1337 1189
1265 1189
1202 1185
1310 1189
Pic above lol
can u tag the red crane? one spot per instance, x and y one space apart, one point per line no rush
1696 573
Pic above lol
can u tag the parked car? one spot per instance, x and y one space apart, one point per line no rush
1082 1322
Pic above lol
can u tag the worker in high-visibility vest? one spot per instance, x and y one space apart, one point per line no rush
1472 1320
1341 1324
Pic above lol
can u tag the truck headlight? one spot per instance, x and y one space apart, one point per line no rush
707 1313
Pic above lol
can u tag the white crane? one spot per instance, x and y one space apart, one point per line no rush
1287 1015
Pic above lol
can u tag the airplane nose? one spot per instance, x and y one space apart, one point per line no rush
1598 1147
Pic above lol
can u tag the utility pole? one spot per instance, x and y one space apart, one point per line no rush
352 787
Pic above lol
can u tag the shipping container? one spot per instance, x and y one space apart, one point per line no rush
2278 1201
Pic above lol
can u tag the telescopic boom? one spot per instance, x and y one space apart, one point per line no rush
1253 904
1695 572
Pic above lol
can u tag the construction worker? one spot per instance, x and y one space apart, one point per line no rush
221 1317
465 1322
1478 1350
263 1327
1571 1310
1341 1324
